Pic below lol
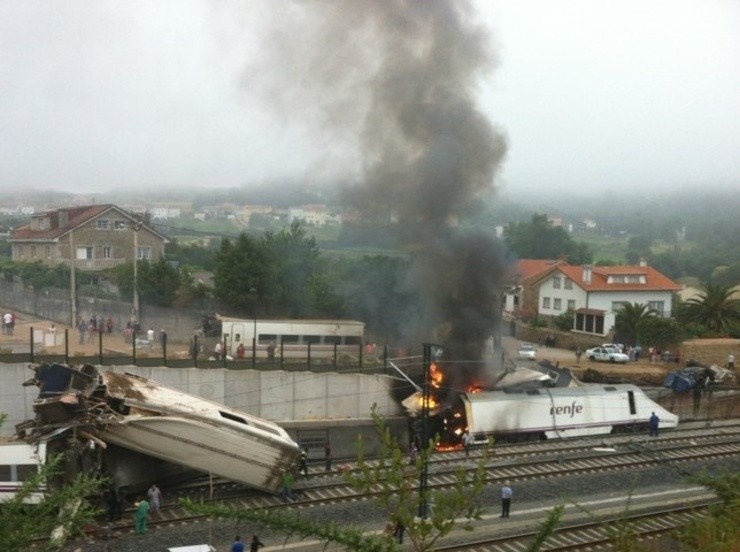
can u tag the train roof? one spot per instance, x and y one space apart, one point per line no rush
289 320
589 389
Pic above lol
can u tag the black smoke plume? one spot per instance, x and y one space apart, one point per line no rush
393 87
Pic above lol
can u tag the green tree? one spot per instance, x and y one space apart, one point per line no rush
157 282
538 239
394 483
715 308
631 320
293 263
241 273
661 332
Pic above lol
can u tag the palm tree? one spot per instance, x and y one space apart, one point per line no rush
714 308
630 319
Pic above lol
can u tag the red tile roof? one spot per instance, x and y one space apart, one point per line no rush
528 268
77 216
654 280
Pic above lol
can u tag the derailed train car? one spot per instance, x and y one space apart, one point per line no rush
556 412
113 412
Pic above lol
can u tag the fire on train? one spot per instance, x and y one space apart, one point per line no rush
538 409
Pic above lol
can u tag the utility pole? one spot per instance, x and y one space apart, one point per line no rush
136 226
72 279
431 353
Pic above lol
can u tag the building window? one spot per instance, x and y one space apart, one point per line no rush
619 305
571 304
103 224
657 306
84 253
119 224
558 304
545 302
33 251
107 252
568 283
47 251
144 253
556 282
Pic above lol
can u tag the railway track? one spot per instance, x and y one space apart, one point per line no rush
517 463
592 535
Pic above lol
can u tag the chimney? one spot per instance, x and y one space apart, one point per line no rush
643 261
587 273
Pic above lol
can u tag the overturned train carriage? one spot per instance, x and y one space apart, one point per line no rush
557 412
141 415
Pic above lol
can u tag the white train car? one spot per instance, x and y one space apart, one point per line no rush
20 460
144 416
558 412
292 337
203 435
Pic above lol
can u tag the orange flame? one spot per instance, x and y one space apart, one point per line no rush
435 376
431 402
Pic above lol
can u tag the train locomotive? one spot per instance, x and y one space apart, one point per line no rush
530 404
555 412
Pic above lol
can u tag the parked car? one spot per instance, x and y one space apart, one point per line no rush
606 354
527 352
618 346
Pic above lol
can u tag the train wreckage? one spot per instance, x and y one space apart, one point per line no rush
83 409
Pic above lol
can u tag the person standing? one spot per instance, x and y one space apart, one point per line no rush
140 517
287 486
82 328
578 355
217 350
113 499
303 463
730 361
653 424
155 498
237 545
467 440
413 451
255 545
506 494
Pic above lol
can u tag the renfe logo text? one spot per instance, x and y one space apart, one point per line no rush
573 409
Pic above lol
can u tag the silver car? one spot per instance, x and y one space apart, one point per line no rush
527 352
606 354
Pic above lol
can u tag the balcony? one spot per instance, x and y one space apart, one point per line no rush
95 264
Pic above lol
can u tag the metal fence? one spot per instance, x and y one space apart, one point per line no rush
137 349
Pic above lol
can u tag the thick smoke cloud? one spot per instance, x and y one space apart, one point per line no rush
397 82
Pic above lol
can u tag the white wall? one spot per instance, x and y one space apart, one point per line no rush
273 395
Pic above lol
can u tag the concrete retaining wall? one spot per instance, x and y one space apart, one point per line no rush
275 395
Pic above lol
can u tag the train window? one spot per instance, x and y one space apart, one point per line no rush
233 417
333 339
533 392
312 339
631 396
26 470
610 388
352 340
290 339
267 338
5 473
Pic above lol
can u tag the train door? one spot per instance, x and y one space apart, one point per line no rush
236 335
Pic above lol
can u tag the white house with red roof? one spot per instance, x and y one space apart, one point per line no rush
548 288
596 293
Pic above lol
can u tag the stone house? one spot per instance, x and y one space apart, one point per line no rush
95 237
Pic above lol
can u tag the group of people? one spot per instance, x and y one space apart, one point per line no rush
95 326
254 545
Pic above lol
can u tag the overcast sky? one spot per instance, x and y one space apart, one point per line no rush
590 95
